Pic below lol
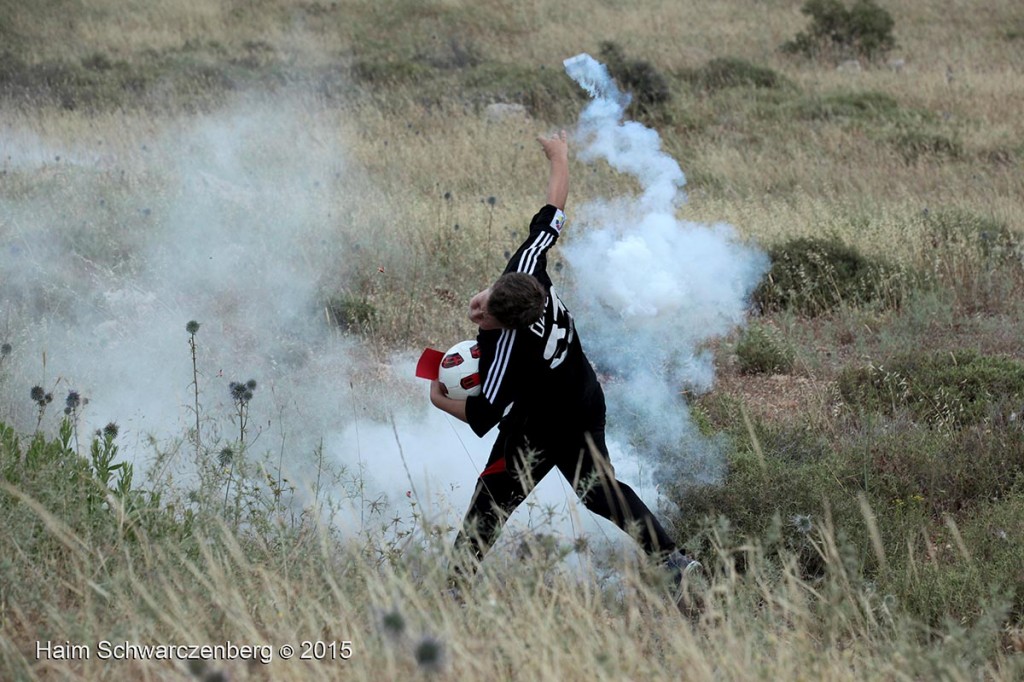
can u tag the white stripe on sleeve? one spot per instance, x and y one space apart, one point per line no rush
497 372
528 260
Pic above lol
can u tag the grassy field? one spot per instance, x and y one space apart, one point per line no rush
323 185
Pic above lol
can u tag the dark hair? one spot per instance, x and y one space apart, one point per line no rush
516 300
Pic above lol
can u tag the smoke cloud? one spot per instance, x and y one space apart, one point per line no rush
233 219
229 219
651 290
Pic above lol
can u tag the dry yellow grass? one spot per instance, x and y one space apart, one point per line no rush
520 621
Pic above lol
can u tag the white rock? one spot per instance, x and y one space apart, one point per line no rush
502 111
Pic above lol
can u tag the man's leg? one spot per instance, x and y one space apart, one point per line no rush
512 471
586 465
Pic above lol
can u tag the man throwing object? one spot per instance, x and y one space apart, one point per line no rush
527 340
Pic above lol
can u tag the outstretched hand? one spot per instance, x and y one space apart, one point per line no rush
556 147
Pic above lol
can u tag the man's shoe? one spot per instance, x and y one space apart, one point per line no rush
690 582
682 567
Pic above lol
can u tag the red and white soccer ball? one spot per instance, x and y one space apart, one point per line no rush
460 371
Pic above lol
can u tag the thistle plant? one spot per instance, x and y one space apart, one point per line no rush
429 653
393 624
226 459
102 454
491 201
241 394
42 399
73 404
192 327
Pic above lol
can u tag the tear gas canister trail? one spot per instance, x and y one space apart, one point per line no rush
651 290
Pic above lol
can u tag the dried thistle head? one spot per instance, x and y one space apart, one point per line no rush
192 327
393 623
802 523
237 391
242 393
429 654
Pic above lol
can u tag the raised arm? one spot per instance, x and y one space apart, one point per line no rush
556 148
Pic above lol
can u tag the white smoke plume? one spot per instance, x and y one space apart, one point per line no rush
233 219
230 218
652 290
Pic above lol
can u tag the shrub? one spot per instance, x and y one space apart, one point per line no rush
351 313
913 144
776 496
96 82
732 72
943 388
760 351
649 87
813 275
912 477
961 231
13 69
388 72
97 61
456 53
546 93
848 105
81 491
863 30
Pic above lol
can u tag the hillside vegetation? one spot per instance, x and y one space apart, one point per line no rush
871 520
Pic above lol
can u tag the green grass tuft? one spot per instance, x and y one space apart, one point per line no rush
733 72
915 144
815 275
761 351
859 106
953 388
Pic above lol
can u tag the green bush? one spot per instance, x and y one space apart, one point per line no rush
776 497
732 72
909 466
945 585
913 145
760 351
389 72
848 105
186 76
649 86
546 93
863 30
94 496
945 388
963 232
813 275
912 478
351 313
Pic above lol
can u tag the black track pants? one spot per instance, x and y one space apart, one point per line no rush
517 463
